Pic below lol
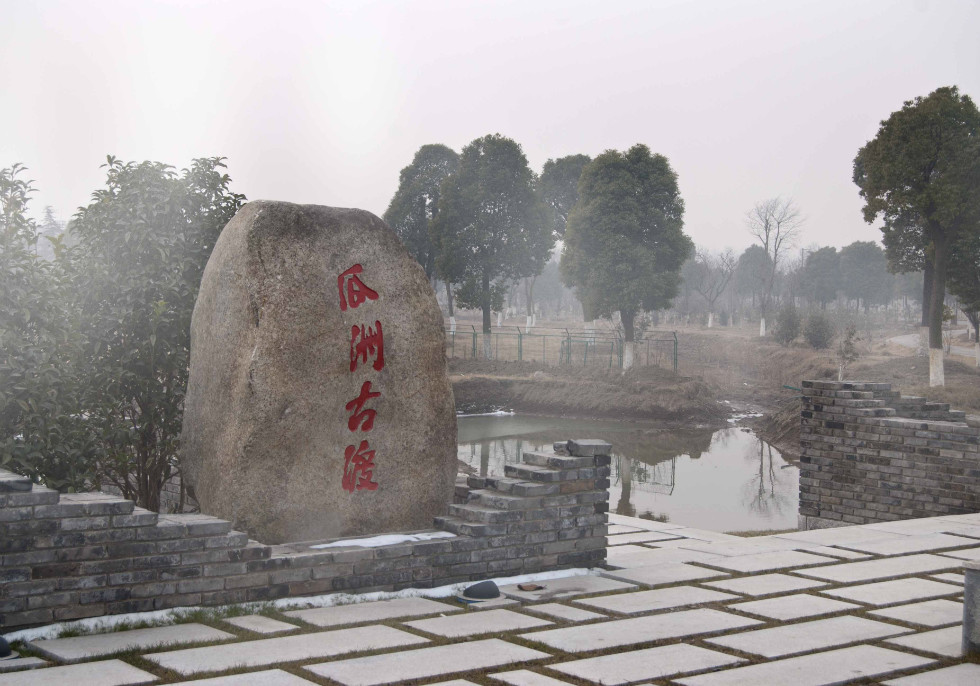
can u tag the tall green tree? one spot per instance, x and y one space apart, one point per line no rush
43 433
558 187
924 163
416 203
752 273
143 243
625 243
491 226
821 275
864 273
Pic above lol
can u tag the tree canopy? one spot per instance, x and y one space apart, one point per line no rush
864 273
558 187
821 275
416 202
921 173
625 244
491 225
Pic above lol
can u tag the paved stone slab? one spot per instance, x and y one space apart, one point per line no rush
19 664
699 534
646 524
957 675
490 604
765 584
910 544
652 663
796 606
932 613
268 677
615 529
821 669
662 599
950 578
890 592
525 677
946 642
744 546
869 570
658 575
632 556
839 536
968 554
260 624
269 651
101 673
566 587
377 611
767 562
473 623
564 612
425 663
79 648
641 537
807 636
624 632
835 552
454 682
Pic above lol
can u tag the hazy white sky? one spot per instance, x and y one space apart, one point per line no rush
324 102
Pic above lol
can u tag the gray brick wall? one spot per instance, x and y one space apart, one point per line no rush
868 454
68 556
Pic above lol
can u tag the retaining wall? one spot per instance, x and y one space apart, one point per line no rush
68 556
868 454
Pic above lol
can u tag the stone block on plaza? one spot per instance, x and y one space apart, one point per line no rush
318 403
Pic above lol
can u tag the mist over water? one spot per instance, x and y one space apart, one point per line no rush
722 480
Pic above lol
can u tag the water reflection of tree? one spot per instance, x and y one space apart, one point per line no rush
765 492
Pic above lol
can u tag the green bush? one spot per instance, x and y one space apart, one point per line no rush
787 324
818 330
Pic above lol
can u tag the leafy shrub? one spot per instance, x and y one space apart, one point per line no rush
787 324
818 330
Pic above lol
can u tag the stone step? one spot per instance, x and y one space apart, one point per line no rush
544 474
502 501
458 526
484 515
87 505
555 461
521 488
14 483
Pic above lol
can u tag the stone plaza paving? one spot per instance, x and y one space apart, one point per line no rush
871 604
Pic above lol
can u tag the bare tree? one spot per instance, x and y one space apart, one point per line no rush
711 275
776 224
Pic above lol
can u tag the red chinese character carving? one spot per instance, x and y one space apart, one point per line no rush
366 341
352 290
359 468
362 417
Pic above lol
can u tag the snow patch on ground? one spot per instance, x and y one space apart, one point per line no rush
735 418
385 539
174 616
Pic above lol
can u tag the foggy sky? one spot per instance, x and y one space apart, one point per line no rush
324 103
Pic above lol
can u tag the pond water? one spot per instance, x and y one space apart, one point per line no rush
722 480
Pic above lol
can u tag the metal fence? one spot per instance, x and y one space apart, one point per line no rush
561 346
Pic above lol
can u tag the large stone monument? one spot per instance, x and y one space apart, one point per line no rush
318 403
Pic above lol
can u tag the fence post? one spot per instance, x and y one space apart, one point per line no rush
585 356
520 345
568 352
612 349
452 354
474 340
675 352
